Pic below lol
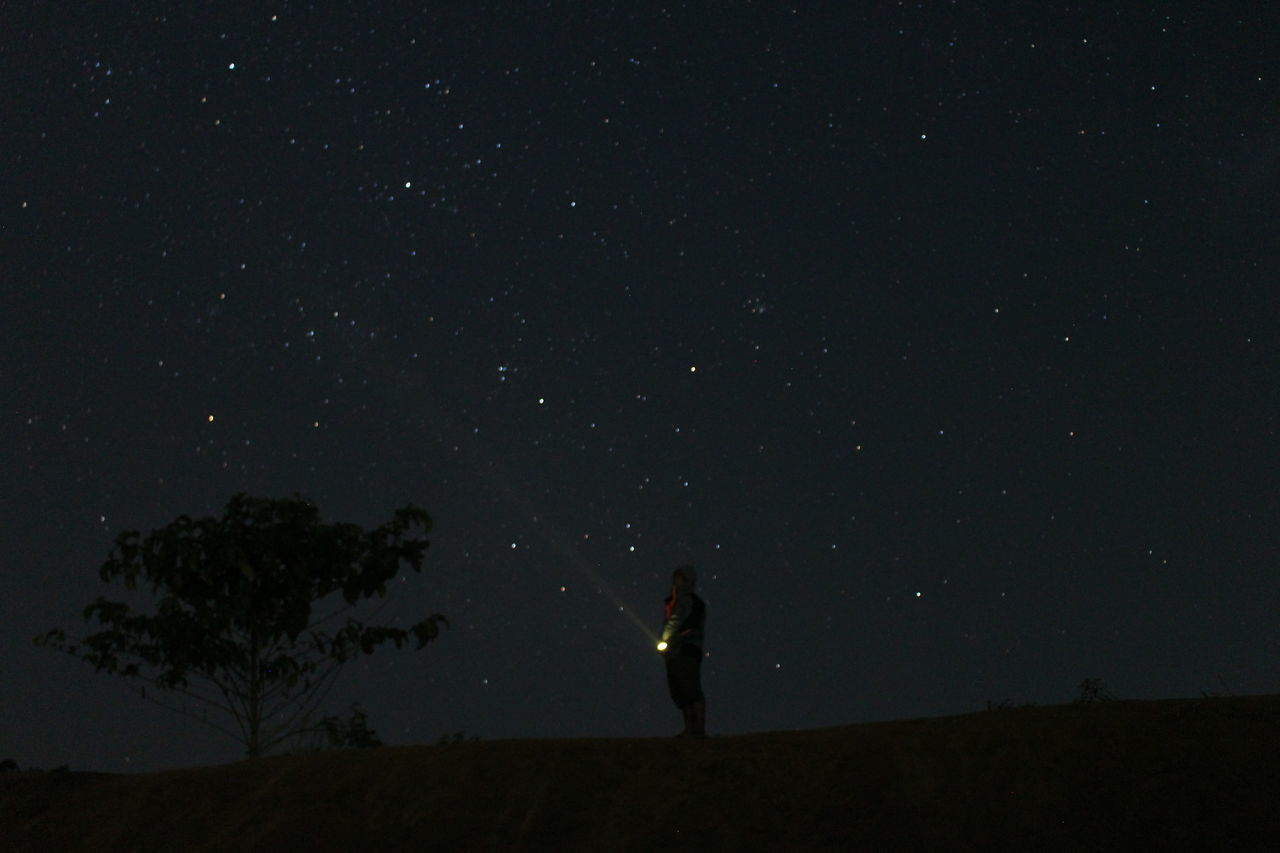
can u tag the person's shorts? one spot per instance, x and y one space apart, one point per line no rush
684 675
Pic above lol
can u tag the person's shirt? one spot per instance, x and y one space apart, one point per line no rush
685 624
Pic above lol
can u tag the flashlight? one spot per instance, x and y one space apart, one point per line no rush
662 647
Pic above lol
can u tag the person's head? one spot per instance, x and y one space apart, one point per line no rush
684 576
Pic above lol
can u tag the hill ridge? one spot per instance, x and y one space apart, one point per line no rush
1120 775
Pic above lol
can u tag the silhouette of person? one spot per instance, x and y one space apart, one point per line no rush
681 646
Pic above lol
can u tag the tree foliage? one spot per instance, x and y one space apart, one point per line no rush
254 612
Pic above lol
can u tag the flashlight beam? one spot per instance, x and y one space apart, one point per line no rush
570 554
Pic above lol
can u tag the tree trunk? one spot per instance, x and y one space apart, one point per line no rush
254 746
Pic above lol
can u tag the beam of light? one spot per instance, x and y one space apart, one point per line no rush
566 551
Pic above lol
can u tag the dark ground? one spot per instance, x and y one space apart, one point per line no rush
1184 774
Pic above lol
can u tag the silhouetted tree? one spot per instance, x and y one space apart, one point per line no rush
254 611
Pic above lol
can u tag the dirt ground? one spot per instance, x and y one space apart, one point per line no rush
1194 774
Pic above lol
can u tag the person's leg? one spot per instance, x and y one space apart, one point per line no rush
698 702
689 721
697 721
685 678
676 687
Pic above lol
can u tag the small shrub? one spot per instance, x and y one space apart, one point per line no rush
352 733
1007 705
1094 690
447 739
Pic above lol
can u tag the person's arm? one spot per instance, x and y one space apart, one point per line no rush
679 614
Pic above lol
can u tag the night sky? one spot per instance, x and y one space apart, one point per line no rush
940 337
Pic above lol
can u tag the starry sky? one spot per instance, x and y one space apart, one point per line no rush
940 337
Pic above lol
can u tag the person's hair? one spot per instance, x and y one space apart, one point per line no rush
682 571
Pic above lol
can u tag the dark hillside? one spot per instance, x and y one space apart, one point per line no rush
1175 774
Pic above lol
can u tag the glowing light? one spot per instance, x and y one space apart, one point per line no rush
662 647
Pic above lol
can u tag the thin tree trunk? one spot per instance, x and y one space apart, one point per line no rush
255 699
